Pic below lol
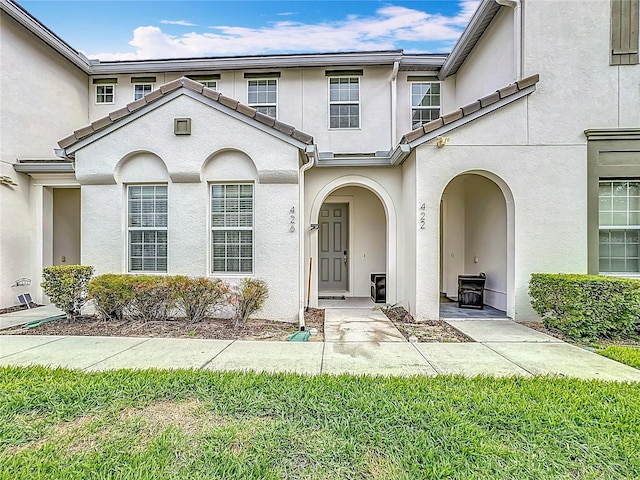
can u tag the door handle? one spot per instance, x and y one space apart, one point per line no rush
344 257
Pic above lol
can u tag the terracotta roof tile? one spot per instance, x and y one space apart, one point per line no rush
489 99
171 86
470 108
101 123
246 110
433 125
117 114
194 86
527 82
453 116
228 101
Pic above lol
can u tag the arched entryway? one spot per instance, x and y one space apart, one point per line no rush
354 239
476 235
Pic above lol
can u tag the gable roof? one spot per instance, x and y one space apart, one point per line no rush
168 91
473 110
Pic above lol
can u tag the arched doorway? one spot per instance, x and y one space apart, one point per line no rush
355 239
476 235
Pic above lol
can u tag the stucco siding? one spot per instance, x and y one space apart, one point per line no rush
490 65
43 99
407 231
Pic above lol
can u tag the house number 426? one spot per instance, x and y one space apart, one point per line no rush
422 217
292 219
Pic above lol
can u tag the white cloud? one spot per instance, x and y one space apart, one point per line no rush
389 28
184 23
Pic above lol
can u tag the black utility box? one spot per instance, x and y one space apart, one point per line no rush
379 287
471 291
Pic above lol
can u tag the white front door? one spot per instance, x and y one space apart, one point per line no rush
333 249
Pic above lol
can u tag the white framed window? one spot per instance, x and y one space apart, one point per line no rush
263 96
232 228
619 226
425 102
212 84
344 102
147 209
106 93
141 89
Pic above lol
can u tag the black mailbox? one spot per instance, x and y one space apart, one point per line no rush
379 287
471 291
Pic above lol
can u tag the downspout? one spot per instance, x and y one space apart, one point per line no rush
311 153
517 35
394 102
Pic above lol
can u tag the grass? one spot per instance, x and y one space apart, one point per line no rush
627 355
61 424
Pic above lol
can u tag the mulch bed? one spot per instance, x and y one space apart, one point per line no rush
17 308
211 328
430 331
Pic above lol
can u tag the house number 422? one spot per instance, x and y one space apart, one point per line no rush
422 217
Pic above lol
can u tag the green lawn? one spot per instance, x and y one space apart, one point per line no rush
628 355
60 424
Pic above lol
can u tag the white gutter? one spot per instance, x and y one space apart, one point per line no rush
394 101
517 35
311 151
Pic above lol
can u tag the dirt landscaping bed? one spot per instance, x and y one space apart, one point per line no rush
429 331
218 329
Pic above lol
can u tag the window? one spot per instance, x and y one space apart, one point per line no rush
262 95
619 212
212 84
147 226
425 103
344 102
141 89
105 93
232 228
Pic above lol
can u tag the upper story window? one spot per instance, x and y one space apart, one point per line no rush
208 80
619 225
344 102
425 102
141 89
262 94
105 90
625 21
147 208
142 86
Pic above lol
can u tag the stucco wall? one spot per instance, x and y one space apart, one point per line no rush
490 65
546 218
43 99
220 149
407 228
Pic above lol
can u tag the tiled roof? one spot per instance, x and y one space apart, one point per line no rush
122 113
484 103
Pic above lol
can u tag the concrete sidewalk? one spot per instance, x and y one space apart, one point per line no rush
14 319
355 343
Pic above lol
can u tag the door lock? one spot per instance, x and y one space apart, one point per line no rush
344 257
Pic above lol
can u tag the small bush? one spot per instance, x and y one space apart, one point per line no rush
153 299
198 298
111 293
66 286
248 297
587 306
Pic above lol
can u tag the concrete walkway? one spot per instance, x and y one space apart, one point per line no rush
356 342
8 320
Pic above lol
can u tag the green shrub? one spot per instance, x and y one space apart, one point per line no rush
111 293
248 297
66 286
198 298
587 306
153 298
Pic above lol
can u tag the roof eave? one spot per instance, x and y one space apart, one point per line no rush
471 34
46 35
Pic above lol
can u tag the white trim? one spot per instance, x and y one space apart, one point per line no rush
113 94
340 102
392 228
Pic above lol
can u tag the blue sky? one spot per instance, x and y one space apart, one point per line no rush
147 29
